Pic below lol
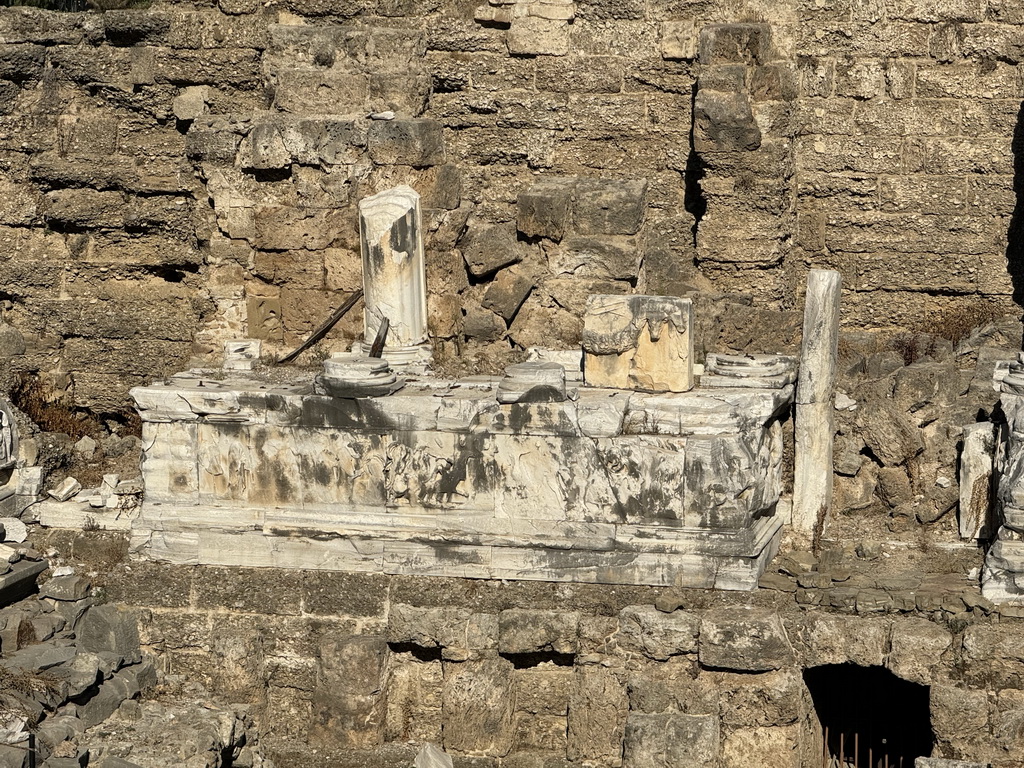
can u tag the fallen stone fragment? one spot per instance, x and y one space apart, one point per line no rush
66 490
14 530
9 554
66 588
109 628
129 487
39 657
30 481
432 756
86 447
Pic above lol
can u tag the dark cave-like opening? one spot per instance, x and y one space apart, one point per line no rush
869 717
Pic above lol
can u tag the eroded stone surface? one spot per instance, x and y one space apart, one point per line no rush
639 342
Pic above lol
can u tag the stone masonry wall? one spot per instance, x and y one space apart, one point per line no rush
183 174
356 669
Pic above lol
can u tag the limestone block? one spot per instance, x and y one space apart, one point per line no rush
766 747
444 627
534 631
612 257
678 40
414 700
543 690
418 142
348 701
655 634
545 208
609 206
394 277
770 699
109 629
671 740
506 294
917 647
532 36
976 484
486 249
748 43
639 342
835 639
478 705
724 122
942 762
598 706
744 638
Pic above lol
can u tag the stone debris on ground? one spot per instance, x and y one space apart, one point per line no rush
68 488
71 673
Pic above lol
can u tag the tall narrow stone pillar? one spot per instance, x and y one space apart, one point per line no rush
394 273
815 420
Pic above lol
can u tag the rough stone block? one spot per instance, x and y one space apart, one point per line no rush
348 706
532 36
917 646
530 631
658 635
765 747
479 707
487 249
544 208
598 705
736 44
744 638
609 206
110 629
679 40
617 258
639 342
416 142
507 292
724 122
670 741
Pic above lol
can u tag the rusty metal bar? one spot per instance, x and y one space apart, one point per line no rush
842 749
825 761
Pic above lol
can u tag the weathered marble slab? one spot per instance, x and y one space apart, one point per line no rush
442 479
638 342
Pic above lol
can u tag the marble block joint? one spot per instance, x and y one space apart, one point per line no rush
514 478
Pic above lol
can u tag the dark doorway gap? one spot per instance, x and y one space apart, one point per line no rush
873 718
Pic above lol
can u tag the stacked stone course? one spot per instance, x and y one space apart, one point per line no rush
185 174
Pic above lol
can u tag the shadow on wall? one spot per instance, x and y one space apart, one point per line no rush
1015 234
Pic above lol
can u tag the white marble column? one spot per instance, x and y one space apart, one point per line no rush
815 419
394 273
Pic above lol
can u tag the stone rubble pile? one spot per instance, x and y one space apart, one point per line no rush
71 672
901 414
855 585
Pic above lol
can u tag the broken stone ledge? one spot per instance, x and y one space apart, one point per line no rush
441 479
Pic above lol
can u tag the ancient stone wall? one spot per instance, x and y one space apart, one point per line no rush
187 173
355 669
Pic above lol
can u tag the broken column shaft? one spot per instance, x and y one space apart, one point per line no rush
812 483
394 274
